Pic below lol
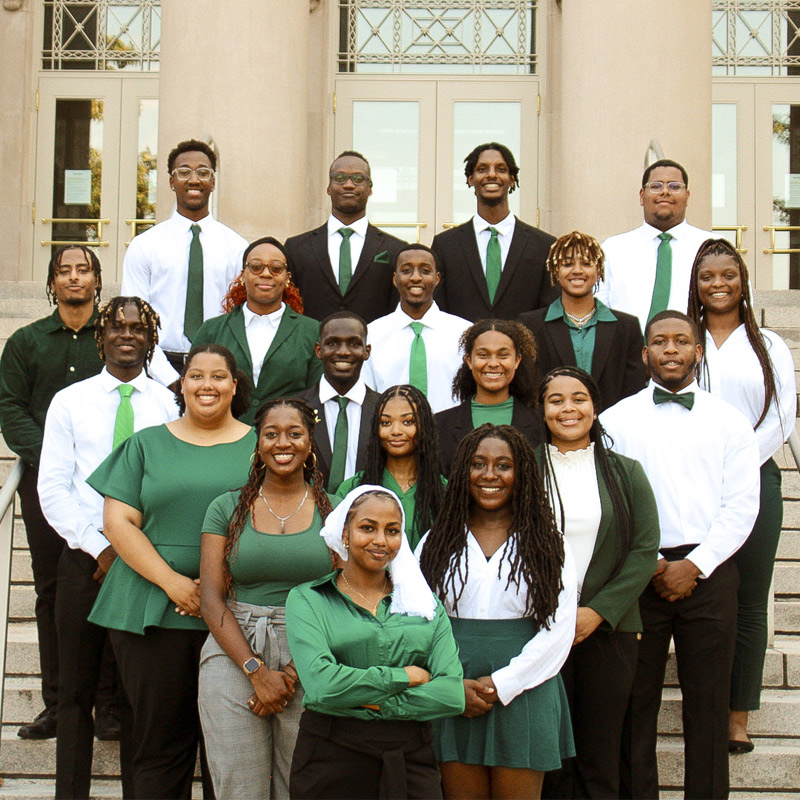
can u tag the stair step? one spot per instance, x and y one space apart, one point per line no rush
787 615
22 601
791 514
44 789
787 578
789 546
21 570
22 699
22 649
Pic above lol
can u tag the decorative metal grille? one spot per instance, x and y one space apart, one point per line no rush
756 37
481 36
101 34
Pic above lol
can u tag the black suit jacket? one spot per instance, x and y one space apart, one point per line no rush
524 283
617 364
454 424
324 452
370 294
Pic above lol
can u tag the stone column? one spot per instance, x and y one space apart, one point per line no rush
238 72
622 73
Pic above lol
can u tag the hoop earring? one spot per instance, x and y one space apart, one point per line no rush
313 468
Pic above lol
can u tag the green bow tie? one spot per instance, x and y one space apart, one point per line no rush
661 396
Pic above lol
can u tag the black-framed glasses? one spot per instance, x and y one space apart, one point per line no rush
356 177
185 173
276 268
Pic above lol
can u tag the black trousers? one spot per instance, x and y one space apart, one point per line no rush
45 546
704 629
340 758
159 675
598 678
84 653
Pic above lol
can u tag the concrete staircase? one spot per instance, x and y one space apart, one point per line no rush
772 770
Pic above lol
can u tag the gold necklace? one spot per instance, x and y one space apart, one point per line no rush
282 520
350 586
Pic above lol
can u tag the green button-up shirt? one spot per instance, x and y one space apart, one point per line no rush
346 658
582 338
39 360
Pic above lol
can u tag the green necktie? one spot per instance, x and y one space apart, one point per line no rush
494 264
663 282
418 365
193 312
123 423
345 260
339 460
662 396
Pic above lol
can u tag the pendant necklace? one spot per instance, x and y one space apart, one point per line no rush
352 588
581 321
282 520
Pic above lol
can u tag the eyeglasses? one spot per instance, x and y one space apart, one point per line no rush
356 177
673 187
184 173
276 268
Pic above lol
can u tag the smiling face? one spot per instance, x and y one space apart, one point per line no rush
349 197
373 534
398 428
343 350
125 343
265 291
415 277
719 284
208 386
74 281
569 413
664 210
192 195
284 442
493 362
491 474
491 179
672 353
576 275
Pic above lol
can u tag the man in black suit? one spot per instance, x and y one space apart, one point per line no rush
493 265
344 403
346 264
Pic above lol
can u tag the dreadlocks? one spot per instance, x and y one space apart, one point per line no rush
114 309
55 263
610 467
697 313
575 245
523 386
427 459
471 161
249 492
537 558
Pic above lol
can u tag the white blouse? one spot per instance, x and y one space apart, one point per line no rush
734 374
576 477
485 596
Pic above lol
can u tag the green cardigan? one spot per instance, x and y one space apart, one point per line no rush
616 598
290 365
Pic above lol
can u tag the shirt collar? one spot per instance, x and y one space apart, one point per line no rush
273 318
505 227
187 223
359 226
692 387
678 232
57 324
357 392
110 383
428 319
556 311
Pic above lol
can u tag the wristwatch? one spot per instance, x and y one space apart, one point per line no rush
252 664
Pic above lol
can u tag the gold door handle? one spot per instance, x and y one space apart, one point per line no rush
134 224
98 222
771 250
738 229
417 225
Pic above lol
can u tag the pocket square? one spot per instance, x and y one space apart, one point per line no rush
382 257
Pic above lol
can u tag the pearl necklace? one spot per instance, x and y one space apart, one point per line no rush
282 520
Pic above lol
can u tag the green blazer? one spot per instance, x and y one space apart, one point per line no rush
290 365
615 598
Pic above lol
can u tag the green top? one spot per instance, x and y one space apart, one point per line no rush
346 658
582 338
265 566
39 360
498 414
407 499
290 365
171 482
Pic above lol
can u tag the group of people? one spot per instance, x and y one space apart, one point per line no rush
408 521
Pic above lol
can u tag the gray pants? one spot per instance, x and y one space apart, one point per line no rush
244 750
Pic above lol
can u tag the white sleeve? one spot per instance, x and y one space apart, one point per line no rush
160 369
60 503
545 654
604 286
775 428
135 272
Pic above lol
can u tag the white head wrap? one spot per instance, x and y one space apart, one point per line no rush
411 594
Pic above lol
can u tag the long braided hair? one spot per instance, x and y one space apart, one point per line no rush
427 458
111 312
610 466
249 492
537 558
697 312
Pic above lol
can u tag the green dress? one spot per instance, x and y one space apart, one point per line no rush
171 482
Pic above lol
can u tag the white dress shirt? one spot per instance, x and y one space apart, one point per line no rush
734 373
702 464
156 268
260 330
630 268
505 231
78 434
485 596
391 338
356 242
356 395
576 478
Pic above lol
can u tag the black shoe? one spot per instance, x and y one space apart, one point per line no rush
43 727
107 727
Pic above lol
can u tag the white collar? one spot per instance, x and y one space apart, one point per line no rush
187 223
359 226
505 227
428 319
110 383
274 317
692 387
677 232
357 393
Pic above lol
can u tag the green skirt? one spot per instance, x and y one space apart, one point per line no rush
532 732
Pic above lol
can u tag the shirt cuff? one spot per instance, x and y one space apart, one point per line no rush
94 544
704 559
508 687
